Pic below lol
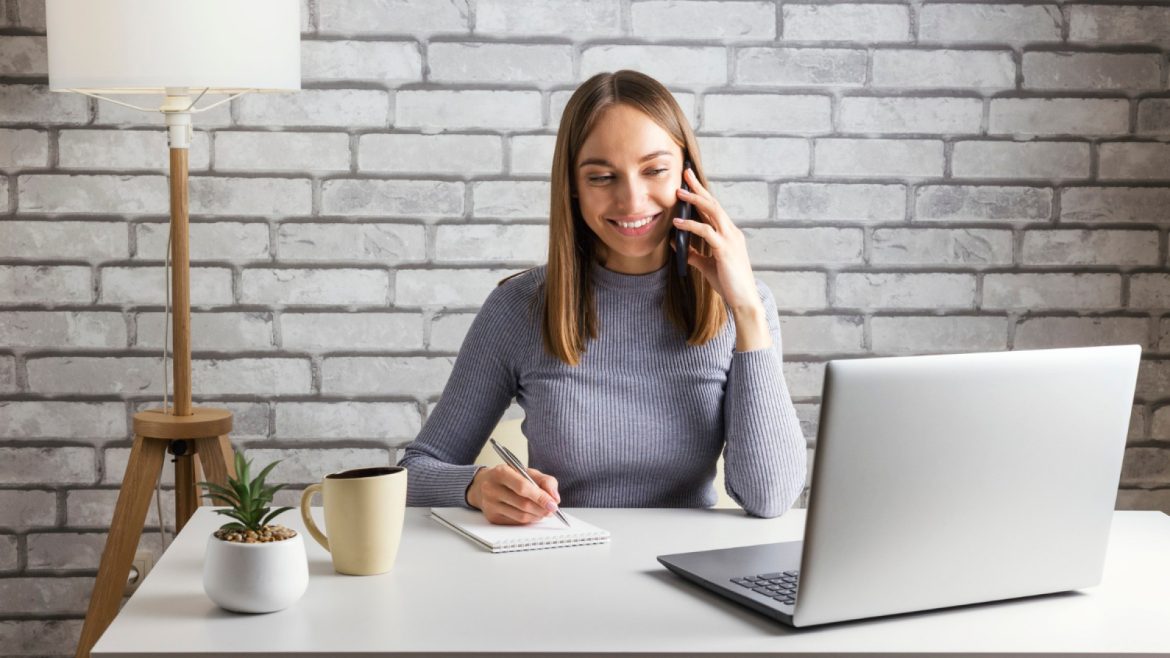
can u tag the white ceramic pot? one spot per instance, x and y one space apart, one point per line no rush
255 577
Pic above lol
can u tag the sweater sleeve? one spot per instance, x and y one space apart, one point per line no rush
764 450
439 462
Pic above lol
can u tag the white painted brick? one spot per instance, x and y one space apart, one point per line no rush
1153 116
1149 291
3 196
347 420
69 329
94 508
756 157
323 286
511 199
924 335
7 374
390 62
211 332
319 332
73 550
805 379
1016 24
45 285
797 291
459 155
800 67
308 465
900 290
841 202
1115 204
408 17
1052 291
771 247
448 331
885 114
392 198
210 286
879 157
208 241
1020 160
121 150
512 244
559 99
270 376
945 247
742 200
116 459
63 239
9 554
459 288
122 195
40 637
579 19
499 63
723 21
420 377
23 148
481 109
129 375
48 596
281 151
391 244
855 23
821 334
1134 161
1091 71
27 509
251 196
983 202
42 419
59 465
1085 247
1059 116
532 154
341 108
1045 332
944 69
670 65
1119 25
36 104
767 113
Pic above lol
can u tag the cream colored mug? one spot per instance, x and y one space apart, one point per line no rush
364 509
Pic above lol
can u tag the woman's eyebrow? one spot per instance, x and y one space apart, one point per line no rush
606 163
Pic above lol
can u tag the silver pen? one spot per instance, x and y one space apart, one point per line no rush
514 462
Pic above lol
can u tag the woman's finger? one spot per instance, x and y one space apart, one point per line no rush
705 231
707 206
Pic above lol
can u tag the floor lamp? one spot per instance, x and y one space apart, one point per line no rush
179 50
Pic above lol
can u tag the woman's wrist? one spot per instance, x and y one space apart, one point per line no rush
751 328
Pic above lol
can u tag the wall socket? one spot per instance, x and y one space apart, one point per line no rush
143 563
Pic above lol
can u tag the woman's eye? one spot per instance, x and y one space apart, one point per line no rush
599 179
656 172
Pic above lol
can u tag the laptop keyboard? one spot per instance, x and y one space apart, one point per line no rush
780 585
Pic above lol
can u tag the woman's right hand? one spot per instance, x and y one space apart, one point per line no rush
506 498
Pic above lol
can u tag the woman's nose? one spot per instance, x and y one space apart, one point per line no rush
630 193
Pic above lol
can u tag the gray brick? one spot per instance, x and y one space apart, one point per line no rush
212 332
27 508
531 154
580 19
499 63
1052 291
476 108
335 286
771 247
511 244
855 23
68 329
448 331
45 595
879 157
821 334
341 108
63 239
115 461
1091 71
43 419
1119 25
210 286
1115 204
1084 247
347 61
1164 336
7 374
40 637
122 195
1149 291
58 465
407 17
1142 466
1015 24
944 69
884 114
458 155
1137 423
110 114
391 198
1160 425
270 376
797 291
1059 116
451 288
1144 499
95 375
1154 116
281 151
900 290
31 14
214 241
3 196
804 378
724 21
1153 380
308 465
756 157
251 196
351 331
122 150
420 377
23 148
670 65
767 113
559 99
511 200
800 67
1134 161
391 244
9 553
1044 332
94 508
76 550
923 335
743 201
945 247
983 202
45 285
1020 160
36 104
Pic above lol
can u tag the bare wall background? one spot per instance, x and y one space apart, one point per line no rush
915 176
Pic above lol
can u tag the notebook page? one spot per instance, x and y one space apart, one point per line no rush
546 533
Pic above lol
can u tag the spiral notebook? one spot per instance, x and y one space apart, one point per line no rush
546 533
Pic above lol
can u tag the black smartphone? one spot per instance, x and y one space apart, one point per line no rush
682 239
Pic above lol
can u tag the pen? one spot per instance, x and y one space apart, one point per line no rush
514 462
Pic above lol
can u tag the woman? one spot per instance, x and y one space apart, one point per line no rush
633 378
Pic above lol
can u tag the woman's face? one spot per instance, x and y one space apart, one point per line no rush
627 175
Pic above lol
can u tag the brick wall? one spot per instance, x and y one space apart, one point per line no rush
914 177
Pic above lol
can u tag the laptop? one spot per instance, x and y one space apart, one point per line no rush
945 480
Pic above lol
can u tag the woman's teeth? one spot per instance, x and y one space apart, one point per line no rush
638 224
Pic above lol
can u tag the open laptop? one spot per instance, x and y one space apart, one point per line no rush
942 481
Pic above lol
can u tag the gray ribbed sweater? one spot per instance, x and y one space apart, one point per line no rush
639 423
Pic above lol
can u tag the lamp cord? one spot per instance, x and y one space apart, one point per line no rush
166 388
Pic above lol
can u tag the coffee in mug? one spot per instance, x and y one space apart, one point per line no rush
364 510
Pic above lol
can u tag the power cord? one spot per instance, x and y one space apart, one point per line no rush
166 381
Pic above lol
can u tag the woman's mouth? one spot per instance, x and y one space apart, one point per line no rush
635 226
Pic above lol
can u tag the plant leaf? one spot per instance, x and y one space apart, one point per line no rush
273 514
258 482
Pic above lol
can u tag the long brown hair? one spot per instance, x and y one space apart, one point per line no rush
570 318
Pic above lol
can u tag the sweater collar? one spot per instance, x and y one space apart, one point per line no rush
655 280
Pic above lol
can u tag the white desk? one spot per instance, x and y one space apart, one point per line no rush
447 597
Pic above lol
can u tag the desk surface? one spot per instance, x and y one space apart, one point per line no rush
446 596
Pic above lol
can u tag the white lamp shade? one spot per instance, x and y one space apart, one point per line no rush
146 46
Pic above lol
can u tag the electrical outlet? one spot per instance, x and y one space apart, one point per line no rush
143 563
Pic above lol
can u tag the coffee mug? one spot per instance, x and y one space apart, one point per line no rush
364 509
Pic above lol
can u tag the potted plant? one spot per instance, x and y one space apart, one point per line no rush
252 565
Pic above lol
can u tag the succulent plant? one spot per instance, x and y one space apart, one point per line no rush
247 500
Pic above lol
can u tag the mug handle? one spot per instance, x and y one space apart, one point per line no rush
306 498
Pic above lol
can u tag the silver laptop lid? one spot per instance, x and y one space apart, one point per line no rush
952 479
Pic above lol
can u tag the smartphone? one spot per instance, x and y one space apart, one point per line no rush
682 239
